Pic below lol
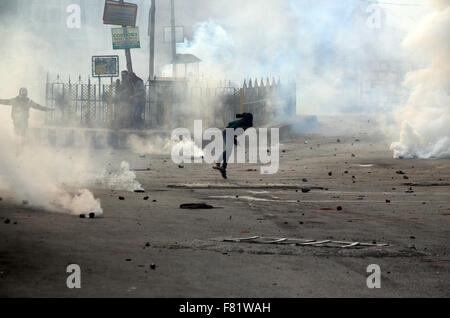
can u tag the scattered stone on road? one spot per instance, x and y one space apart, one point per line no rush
196 206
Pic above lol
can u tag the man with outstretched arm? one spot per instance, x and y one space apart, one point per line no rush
20 111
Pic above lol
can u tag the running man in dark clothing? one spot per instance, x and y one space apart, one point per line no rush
245 122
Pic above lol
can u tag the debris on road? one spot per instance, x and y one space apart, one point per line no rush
302 242
427 184
146 198
121 198
91 215
196 206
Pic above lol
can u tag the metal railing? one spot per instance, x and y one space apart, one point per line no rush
169 103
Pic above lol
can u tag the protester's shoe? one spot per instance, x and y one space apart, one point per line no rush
224 173
216 166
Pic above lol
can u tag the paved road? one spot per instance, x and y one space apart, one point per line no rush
116 252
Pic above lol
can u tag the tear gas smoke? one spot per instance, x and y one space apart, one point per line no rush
57 180
328 47
36 176
162 146
155 145
425 119
124 179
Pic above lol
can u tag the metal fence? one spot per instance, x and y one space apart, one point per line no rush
169 103
78 104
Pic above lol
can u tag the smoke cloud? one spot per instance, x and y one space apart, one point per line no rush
424 120
162 146
332 49
58 179
124 179
36 176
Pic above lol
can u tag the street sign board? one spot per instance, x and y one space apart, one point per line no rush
125 38
105 66
120 13
179 34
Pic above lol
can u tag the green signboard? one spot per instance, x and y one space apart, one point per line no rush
125 38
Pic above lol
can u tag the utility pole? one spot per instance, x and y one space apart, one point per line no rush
174 40
127 51
151 32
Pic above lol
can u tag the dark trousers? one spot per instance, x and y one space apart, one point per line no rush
227 153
